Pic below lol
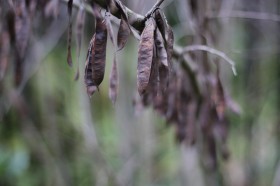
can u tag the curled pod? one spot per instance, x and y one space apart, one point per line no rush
145 56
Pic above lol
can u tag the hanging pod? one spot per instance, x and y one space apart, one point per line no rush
145 55
95 63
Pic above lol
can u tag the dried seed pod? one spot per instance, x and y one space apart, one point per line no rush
69 55
96 57
113 90
123 33
170 42
167 34
161 23
145 56
88 78
22 33
4 52
161 52
220 98
99 51
125 23
150 96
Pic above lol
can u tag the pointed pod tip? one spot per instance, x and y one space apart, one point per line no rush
91 90
77 76
69 61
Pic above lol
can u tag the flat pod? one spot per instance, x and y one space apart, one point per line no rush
123 33
69 55
167 34
145 56
99 52
88 78
161 23
113 90
169 48
161 51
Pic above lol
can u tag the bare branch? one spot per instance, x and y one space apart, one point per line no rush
136 20
249 15
192 48
158 3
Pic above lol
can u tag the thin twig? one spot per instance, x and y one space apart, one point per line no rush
192 48
249 15
150 12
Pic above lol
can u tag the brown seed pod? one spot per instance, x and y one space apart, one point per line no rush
167 34
22 33
99 51
150 94
169 48
161 23
161 52
88 78
4 52
113 90
69 55
145 56
123 33
219 97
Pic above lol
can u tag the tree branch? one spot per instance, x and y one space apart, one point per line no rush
212 51
135 20
158 3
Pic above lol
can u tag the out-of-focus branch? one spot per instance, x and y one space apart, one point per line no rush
212 51
158 3
248 15
135 20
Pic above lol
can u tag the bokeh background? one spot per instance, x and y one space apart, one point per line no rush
52 134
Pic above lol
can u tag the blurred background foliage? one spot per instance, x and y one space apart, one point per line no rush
53 134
